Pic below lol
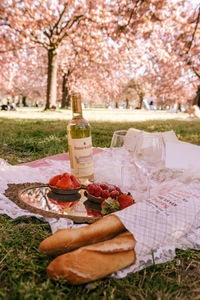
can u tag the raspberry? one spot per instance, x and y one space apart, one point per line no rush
105 194
114 194
104 186
111 188
90 189
118 189
97 191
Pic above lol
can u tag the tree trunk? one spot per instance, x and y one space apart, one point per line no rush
24 101
140 101
64 91
65 102
52 79
68 99
127 103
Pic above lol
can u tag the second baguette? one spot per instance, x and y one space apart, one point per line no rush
95 261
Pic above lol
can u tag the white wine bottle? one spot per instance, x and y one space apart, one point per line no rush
80 143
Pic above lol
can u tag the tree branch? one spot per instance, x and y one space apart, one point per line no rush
195 71
10 50
37 41
193 35
59 20
68 25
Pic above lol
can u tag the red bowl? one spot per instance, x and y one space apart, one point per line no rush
93 198
64 191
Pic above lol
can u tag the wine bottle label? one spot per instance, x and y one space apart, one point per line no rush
80 151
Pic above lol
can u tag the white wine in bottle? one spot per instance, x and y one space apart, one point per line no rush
80 143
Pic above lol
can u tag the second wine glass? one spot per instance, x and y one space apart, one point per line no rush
118 146
149 154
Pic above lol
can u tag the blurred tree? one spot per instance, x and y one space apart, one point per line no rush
93 41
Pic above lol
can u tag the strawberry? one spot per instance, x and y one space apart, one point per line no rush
54 180
125 200
75 181
67 175
109 205
105 194
114 194
65 183
105 208
97 191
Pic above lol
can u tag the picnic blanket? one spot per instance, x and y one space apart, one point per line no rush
170 219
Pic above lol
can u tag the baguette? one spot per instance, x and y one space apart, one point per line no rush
95 261
65 240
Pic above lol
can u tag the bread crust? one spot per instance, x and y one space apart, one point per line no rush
68 239
93 262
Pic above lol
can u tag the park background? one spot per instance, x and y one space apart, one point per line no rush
117 54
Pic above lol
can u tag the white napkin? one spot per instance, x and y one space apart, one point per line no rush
133 133
179 155
182 155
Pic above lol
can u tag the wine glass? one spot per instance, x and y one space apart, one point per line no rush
149 154
118 148
118 138
118 142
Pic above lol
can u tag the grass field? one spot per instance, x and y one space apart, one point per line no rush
28 135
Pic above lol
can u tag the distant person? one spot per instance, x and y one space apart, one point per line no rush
4 107
13 106
194 111
151 104
196 100
179 108
138 106
8 104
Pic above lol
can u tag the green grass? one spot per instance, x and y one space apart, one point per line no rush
23 267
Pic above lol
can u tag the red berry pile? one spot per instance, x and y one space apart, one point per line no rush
65 181
111 197
103 190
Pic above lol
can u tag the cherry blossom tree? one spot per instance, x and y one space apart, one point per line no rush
168 51
97 43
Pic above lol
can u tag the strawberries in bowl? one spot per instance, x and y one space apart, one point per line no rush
64 183
109 196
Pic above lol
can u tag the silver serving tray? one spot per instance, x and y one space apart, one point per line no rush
37 199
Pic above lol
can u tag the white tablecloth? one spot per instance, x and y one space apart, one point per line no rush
169 220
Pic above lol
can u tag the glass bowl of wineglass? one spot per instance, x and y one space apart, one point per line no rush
119 146
149 154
